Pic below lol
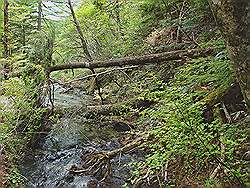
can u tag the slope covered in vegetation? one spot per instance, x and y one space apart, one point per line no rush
184 118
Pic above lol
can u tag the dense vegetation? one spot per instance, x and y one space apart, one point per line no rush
188 115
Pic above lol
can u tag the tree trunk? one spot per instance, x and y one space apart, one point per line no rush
234 16
39 18
5 40
6 49
79 31
137 60
84 45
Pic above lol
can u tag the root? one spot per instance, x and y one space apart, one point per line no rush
99 163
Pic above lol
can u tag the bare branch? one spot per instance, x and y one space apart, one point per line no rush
100 73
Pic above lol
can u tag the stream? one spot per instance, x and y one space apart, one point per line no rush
47 163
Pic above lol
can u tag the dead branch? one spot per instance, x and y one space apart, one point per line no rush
137 60
100 73
100 161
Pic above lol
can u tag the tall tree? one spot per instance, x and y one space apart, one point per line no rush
6 45
84 45
79 31
6 48
234 16
39 18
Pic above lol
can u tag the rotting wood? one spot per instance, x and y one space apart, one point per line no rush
137 60
116 109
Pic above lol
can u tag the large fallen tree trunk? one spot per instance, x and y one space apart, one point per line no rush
137 60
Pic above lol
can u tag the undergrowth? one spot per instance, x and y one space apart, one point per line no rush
21 116
184 147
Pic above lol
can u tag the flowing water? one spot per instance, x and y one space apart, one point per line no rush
47 163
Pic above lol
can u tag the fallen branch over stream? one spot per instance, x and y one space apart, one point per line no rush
137 60
101 73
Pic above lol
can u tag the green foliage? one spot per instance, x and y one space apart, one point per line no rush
21 115
180 140
22 22
20 96
41 46
179 135
111 29
15 179
165 13
23 37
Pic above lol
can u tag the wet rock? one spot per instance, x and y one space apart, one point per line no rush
120 126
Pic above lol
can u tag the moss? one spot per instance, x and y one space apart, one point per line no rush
216 96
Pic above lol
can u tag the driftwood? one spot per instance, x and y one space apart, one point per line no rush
137 60
96 161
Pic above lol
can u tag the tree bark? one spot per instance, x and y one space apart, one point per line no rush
5 39
137 60
234 17
79 31
39 18
6 50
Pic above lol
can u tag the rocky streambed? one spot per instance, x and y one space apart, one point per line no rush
48 162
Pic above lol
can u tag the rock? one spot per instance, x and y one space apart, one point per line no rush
120 126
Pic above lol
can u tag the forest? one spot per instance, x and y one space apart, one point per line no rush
124 93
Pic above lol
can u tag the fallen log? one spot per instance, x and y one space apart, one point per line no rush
137 60
116 109
109 110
